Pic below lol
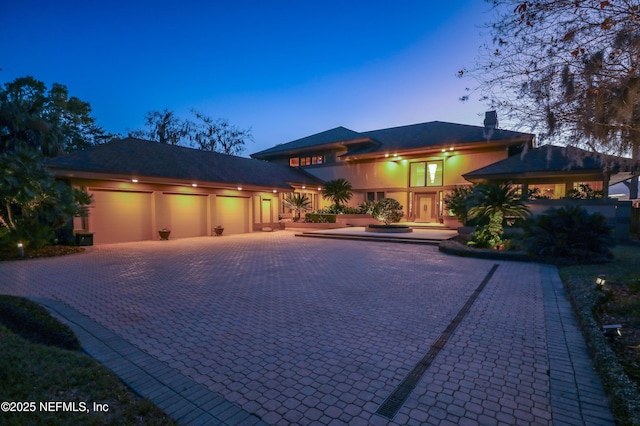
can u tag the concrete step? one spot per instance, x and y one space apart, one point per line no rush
375 238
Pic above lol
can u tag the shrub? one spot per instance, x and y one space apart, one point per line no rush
35 324
489 235
569 233
388 211
457 201
366 207
320 218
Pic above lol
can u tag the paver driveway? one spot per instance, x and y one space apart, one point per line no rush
301 331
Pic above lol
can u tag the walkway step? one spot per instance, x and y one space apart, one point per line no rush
375 238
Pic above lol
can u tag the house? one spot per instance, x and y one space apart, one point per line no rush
552 171
415 164
139 187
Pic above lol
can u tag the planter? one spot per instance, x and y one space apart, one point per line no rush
164 235
389 229
218 231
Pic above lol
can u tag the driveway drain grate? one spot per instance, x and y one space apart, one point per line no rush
398 397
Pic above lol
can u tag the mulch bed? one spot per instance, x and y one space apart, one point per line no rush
47 251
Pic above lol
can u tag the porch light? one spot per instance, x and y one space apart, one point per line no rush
612 331
444 150
386 156
601 280
450 148
304 187
134 180
395 155
274 191
20 250
319 189
432 172
194 185
239 188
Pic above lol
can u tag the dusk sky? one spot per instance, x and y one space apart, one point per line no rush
286 69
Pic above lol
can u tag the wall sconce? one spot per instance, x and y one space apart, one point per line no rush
612 331
601 280
20 250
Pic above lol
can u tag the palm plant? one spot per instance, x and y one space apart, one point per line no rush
494 202
490 199
297 202
339 191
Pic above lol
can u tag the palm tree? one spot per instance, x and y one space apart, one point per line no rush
491 199
297 202
338 191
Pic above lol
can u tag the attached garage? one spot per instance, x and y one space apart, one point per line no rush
233 214
120 216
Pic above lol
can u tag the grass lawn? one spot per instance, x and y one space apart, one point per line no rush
617 359
38 368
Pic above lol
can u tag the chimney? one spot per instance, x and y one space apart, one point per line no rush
491 120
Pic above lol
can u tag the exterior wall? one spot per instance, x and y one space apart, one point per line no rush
127 211
391 176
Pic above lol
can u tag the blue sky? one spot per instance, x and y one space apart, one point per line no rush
287 69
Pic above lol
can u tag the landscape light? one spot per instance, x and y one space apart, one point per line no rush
612 331
601 280
20 250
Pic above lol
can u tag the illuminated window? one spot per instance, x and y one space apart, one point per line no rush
294 161
417 174
318 159
426 174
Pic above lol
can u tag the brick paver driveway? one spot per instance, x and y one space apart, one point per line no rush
300 331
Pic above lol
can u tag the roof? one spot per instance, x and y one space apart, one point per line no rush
551 159
137 157
425 135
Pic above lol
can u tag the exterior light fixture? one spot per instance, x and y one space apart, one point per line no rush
194 185
612 331
444 150
319 189
450 148
134 180
395 155
432 172
601 280
304 187
274 191
386 156
20 250
239 188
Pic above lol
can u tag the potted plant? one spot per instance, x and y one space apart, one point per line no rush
218 230
164 233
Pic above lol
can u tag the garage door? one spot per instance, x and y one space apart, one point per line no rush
186 215
119 216
233 214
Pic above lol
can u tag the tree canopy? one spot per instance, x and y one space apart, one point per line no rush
203 132
45 121
568 69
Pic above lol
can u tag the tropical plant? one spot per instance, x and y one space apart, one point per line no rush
338 191
33 205
388 211
297 202
457 202
488 235
571 233
366 207
489 199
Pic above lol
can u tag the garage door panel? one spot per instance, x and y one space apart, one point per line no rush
186 215
233 214
119 216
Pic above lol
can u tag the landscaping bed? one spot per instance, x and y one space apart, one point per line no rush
41 362
46 251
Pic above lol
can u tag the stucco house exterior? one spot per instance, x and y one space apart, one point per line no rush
139 187
415 165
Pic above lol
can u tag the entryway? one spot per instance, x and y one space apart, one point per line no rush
425 208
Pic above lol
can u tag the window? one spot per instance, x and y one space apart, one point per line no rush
373 196
417 174
426 174
294 161
306 161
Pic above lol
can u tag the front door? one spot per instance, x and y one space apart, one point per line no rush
426 208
